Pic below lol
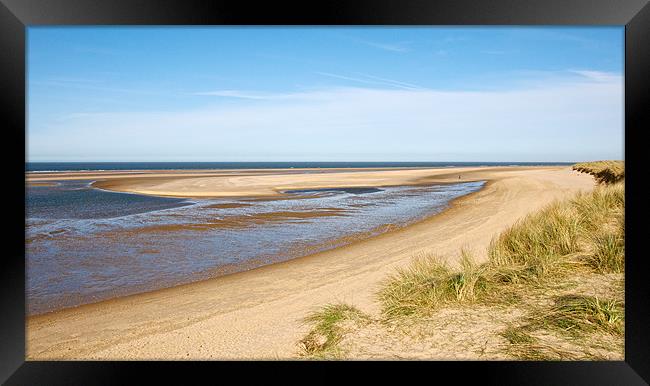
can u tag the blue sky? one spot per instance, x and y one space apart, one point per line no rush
325 94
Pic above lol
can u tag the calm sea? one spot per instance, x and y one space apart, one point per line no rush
81 166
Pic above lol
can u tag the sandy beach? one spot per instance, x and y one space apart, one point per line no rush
263 182
257 314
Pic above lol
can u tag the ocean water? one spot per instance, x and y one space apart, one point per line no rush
84 245
77 200
81 166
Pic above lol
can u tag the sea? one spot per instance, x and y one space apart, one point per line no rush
102 166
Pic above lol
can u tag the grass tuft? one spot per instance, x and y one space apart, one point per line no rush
429 283
327 330
605 205
609 253
541 352
537 246
518 335
524 346
576 315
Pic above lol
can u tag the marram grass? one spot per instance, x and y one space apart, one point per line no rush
575 315
429 283
538 246
518 335
605 172
586 231
327 329
602 227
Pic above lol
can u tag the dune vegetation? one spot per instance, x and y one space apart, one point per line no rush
328 329
607 172
551 289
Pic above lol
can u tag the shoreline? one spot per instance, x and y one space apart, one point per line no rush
247 300
313 249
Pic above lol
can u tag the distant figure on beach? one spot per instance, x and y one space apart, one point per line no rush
459 176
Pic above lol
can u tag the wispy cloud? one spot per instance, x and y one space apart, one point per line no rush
93 84
598 76
581 41
544 121
260 95
74 80
238 94
393 47
370 79
392 81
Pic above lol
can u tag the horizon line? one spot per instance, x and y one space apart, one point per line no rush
153 161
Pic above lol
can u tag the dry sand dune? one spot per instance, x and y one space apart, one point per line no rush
257 314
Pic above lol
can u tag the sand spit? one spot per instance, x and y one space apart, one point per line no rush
275 184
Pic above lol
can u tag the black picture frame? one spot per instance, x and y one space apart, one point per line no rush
16 15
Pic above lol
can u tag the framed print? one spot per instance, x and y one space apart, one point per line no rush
214 184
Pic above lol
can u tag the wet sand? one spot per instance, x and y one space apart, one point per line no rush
258 313
234 222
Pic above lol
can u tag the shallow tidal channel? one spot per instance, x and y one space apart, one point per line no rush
85 245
